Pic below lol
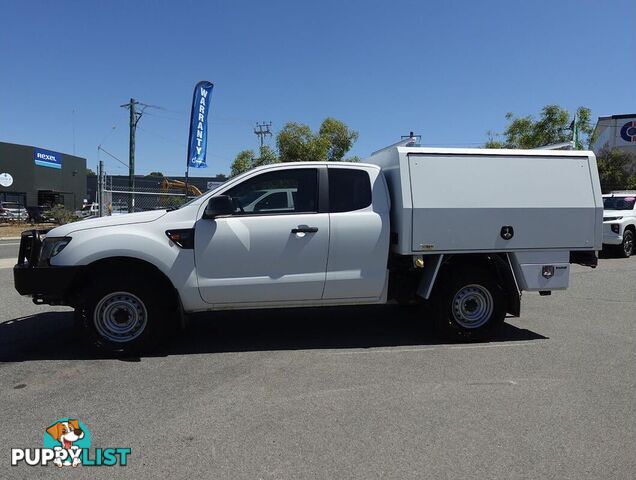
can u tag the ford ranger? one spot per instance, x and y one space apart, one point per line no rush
463 231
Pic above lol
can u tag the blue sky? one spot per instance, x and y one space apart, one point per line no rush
448 70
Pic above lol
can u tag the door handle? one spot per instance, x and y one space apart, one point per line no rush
304 229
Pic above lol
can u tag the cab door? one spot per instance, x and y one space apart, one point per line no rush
359 233
274 254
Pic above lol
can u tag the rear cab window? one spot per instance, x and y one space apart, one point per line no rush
349 189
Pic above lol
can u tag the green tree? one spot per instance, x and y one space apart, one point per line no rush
155 174
554 125
340 137
297 143
613 165
247 159
243 162
89 171
267 156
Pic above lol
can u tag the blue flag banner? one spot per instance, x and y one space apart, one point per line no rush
199 125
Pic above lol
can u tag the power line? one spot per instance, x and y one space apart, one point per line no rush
165 139
100 148
174 142
112 129
73 124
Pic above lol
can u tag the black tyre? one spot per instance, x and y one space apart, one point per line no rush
469 305
626 249
122 315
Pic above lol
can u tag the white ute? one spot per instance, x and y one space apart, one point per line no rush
462 230
619 222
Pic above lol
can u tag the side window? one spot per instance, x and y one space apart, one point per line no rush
349 189
268 193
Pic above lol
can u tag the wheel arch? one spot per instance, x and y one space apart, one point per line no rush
496 263
168 295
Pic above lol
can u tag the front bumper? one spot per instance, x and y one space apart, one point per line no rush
52 285
610 237
46 284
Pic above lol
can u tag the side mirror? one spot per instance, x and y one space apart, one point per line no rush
218 206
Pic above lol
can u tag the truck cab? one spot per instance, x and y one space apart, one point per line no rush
235 247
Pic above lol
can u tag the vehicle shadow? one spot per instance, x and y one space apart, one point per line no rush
38 337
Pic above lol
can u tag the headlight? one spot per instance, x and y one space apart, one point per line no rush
610 219
51 246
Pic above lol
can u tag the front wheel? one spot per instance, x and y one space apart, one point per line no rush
469 306
626 249
120 316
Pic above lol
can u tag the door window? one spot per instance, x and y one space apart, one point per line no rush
273 201
269 193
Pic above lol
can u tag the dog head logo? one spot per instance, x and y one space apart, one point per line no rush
69 435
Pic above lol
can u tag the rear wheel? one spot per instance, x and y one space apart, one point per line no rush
470 305
626 249
122 315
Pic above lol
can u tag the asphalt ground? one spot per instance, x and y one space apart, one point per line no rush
363 392
8 252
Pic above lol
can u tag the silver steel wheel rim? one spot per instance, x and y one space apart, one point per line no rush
120 317
472 306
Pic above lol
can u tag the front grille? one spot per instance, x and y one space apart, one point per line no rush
30 243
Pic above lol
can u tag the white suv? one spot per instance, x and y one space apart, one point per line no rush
619 221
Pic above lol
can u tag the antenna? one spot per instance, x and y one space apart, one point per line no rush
411 140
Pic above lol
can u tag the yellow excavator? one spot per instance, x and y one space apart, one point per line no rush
168 184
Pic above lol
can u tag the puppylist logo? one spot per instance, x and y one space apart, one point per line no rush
67 443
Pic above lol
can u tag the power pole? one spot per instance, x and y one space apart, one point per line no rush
100 188
134 119
262 130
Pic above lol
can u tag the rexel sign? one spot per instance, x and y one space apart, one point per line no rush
46 158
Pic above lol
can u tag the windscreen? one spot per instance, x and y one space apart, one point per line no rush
619 203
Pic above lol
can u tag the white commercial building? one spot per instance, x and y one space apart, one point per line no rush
617 132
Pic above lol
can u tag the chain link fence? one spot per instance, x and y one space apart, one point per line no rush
114 195
119 199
